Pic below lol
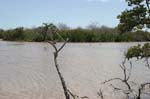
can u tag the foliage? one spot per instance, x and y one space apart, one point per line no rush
15 34
137 17
134 51
48 28
89 34
139 51
1 33
146 50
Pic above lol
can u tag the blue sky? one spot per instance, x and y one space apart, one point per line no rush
30 13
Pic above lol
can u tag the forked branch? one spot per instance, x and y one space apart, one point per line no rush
57 50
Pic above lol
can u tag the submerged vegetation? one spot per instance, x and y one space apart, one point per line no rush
89 34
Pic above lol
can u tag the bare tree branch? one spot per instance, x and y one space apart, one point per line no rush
100 94
57 68
127 73
112 80
147 62
63 45
74 96
130 70
57 49
126 77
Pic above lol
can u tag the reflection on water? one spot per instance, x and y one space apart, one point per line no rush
27 70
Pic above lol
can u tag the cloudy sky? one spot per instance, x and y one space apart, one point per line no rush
29 13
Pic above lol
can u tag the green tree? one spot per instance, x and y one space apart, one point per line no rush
1 33
14 34
49 28
136 17
19 33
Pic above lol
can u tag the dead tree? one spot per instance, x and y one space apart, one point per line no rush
125 80
56 53
68 94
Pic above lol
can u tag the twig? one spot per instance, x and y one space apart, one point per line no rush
100 94
74 96
126 77
147 62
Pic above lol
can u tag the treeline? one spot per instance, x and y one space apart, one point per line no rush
89 34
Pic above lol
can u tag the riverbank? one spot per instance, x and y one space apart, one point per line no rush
74 35
76 42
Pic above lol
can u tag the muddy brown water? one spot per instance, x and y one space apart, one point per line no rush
27 69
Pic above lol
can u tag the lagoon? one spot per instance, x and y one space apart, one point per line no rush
27 69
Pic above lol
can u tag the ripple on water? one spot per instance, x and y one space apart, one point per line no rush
27 70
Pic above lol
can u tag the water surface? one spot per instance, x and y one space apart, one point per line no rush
27 70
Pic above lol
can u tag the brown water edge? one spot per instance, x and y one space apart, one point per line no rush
27 70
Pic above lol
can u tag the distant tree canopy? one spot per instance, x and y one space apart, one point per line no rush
63 26
92 33
13 34
137 17
51 28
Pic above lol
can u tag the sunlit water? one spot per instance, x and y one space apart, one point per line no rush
27 70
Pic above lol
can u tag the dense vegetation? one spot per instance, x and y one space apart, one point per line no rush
89 34
136 16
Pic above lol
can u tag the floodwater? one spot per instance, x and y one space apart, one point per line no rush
27 69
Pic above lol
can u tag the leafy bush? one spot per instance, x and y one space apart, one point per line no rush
15 34
139 51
